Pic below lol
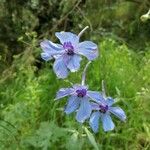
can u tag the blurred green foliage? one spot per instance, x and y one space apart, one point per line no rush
119 19
29 116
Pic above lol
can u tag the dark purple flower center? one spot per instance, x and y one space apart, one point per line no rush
103 108
81 93
69 48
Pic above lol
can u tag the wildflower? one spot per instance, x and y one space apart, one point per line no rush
79 99
67 54
103 111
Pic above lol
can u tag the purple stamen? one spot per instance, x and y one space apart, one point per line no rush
69 48
103 108
81 93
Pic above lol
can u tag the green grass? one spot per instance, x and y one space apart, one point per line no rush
31 119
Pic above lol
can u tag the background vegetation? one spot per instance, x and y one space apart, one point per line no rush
29 117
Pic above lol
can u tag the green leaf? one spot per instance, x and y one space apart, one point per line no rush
91 138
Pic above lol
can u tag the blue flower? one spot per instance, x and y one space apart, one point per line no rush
102 112
79 99
67 54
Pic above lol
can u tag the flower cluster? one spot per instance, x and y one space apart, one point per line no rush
88 105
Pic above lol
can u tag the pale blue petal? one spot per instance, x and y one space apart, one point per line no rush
60 68
118 112
94 121
95 106
73 104
64 92
96 96
49 46
107 122
84 111
46 56
50 49
66 58
67 37
110 101
74 63
88 49
79 86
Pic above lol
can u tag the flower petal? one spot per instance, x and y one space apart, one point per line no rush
96 96
110 101
84 111
79 87
73 104
64 92
107 122
118 112
49 46
60 68
50 49
67 37
74 63
95 106
88 49
94 121
46 56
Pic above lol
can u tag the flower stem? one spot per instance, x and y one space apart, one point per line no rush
103 89
79 35
84 73
148 12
